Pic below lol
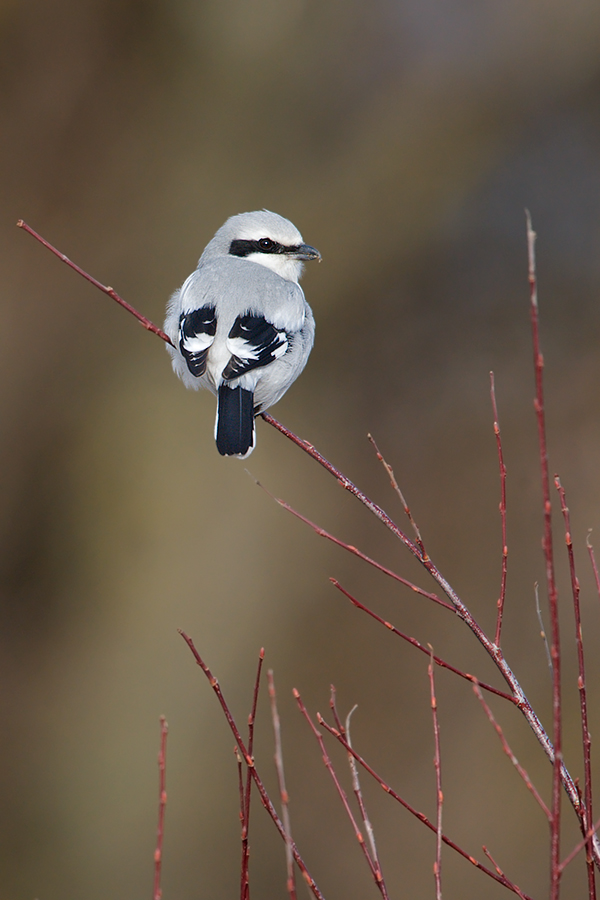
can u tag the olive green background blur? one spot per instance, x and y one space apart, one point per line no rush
404 138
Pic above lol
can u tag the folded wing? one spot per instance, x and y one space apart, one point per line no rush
253 342
197 331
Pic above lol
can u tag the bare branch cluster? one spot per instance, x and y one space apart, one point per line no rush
551 743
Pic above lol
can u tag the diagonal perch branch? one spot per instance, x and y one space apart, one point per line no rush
148 325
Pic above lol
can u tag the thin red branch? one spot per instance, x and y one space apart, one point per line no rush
502 467
162 802
501 879
506 747
579 847
148 325
592 556
354 551
538 363
415 643
245 875
349 486
375 871
266 801
581 684
333 708
244 866
439 800
499 870
285 812
396 487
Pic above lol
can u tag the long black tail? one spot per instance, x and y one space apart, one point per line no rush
234 428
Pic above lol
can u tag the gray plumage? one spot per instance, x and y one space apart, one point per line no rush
240 324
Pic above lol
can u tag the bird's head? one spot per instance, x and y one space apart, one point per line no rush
265 238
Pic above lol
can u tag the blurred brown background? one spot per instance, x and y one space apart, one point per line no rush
404 138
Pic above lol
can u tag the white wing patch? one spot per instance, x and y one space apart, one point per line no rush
253 342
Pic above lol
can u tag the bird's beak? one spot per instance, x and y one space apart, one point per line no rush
305 251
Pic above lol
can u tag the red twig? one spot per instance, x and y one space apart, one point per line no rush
375 871
285 813
592 556
376 510
502 596
439 800
581 683
242 794
245 876
501 879
499 870
148 325
396 487
506 747
333 708
162 802
579 847
250 763
355 552
538 362
415 643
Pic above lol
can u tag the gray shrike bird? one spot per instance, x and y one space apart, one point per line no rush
240 325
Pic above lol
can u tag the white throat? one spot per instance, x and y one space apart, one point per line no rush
290 269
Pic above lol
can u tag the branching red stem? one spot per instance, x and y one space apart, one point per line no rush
560 770
250 763
415 643
499 870
505 746
354 551
396 487
501 879
375 871
493 651
579 847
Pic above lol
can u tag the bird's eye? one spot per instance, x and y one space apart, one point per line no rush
266 244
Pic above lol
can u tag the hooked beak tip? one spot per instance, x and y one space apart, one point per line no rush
305 252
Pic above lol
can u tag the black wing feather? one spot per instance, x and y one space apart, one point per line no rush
257 342
197 330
